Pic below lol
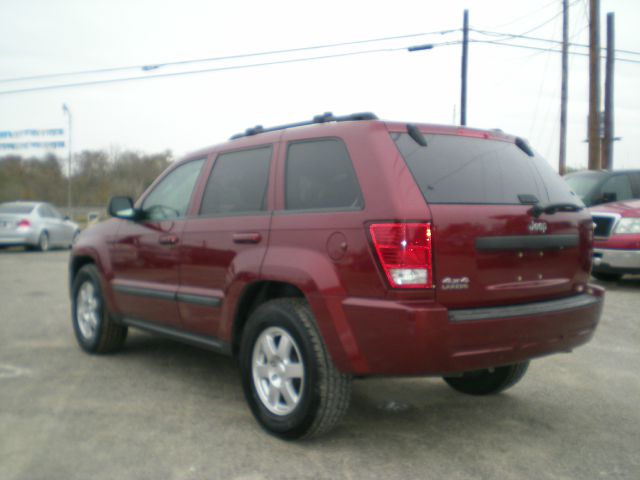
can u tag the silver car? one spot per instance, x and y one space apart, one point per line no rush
35 225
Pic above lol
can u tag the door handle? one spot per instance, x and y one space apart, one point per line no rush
253 237
168 240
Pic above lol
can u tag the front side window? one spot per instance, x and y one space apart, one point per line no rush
320 175
170 198
238 183
616 188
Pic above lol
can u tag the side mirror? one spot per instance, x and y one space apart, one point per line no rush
122 207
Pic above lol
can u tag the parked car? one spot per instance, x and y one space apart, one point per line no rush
617 239
35 225
595 187
341 247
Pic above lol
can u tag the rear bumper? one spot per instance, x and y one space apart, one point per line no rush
17 237
420 338
607 260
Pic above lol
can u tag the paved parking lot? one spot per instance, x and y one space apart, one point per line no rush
161 410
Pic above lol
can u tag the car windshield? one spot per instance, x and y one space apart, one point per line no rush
582 185
15 208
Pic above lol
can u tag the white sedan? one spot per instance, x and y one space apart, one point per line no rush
35 225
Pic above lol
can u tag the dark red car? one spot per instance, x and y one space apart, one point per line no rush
617 239
342 247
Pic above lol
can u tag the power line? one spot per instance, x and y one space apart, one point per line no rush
534 119
551 50
524 36
499 42
527 15
537 27
539 39
544 23
210 70
153 66
510 36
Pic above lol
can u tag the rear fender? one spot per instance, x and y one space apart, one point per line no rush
316 277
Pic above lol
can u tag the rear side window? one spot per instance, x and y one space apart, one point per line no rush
456 169
320 175
46 212
54 212
238 182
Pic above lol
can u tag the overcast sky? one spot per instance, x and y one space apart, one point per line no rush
515 89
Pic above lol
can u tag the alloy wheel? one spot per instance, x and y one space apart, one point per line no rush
88 310
278 371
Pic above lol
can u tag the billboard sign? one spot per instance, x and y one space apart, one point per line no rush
47 139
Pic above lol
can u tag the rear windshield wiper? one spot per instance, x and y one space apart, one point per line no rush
552 208
416 135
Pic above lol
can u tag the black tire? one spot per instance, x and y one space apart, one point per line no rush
94 327
43 242
487 382
323 393
607 277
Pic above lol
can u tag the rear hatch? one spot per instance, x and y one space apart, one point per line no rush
493 241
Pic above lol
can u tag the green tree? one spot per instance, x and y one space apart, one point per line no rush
31 179
96 177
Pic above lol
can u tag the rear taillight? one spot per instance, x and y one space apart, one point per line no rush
24 223
404 252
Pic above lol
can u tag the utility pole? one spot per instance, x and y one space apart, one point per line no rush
562 161
594 85
66 110
465 55
607 144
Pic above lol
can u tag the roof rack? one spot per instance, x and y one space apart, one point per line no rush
324 118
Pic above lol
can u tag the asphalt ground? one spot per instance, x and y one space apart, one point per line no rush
161 410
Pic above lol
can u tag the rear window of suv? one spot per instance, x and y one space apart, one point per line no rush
467 170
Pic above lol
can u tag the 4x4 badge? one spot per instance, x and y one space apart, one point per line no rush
456 283
537 227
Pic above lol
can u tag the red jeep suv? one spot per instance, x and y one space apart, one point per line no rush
346 246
